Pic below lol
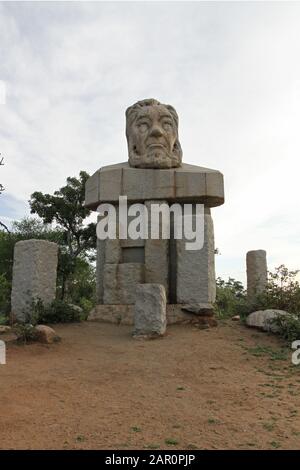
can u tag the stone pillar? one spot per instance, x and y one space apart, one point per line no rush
157 253
257 273
150 310
34 276
196 281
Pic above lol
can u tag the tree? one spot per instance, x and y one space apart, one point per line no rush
66 208
23 230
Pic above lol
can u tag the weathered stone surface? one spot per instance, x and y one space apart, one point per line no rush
152 135
117 314
99 269
157 256
262 319
196 269
257 273
150 310
189 183
34 276
46 335
205 310
124 314
112 251
120 282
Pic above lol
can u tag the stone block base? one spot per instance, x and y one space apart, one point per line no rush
124 315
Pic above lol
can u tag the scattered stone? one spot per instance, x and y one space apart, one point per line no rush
262 319
5 329
236 318
150 311
46 335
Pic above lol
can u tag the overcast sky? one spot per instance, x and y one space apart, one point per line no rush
231 70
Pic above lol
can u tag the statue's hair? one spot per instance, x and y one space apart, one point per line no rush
132 111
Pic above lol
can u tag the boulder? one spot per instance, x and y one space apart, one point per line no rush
150 311
4 329
46 335
263 319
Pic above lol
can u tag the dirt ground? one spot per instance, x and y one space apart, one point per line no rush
224 388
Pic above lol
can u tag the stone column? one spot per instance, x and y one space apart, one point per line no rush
34 276
257 273
196 281
157 253
150 310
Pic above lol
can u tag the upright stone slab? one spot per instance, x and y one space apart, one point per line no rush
157 254
150 310
34 276
196 281
120 281
257 273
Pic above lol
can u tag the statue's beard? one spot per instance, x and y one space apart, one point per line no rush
156 158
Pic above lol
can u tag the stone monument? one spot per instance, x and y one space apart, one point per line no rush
257 273
34 276
154 173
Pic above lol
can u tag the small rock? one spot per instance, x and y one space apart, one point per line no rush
236 318
4 329
46 335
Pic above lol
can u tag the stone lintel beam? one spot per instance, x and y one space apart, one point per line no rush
189 183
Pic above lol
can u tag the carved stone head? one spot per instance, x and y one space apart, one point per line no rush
152 135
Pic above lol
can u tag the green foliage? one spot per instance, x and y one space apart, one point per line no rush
25 332
289 327
231 298
25 229
58 312
282 292
5 287
66 209
76 240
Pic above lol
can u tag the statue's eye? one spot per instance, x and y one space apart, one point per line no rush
143 126
167 125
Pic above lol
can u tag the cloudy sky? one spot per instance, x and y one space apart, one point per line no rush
231 70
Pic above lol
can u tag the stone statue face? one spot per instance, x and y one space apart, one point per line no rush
152 135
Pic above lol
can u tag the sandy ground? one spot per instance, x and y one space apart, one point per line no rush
224 388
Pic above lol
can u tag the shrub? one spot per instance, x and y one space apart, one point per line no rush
231 298
282 292
58 312
5 288
25 332
288 327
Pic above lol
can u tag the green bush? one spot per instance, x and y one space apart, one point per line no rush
282 292
231 298
58 312
25 332
288 327
5 288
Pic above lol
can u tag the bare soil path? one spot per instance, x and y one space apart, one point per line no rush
224 388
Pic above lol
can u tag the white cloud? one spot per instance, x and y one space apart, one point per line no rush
230 69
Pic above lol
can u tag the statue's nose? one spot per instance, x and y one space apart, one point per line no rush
156 131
